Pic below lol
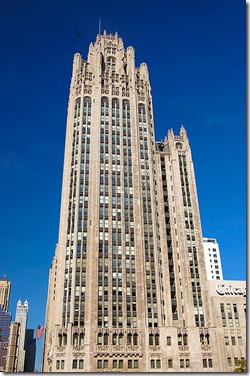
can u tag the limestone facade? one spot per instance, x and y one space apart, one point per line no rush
127 288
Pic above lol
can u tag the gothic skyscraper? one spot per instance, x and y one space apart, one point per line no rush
127 286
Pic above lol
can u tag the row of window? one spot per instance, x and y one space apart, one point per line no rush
117 339
117 364
230 363
133 363
227 313
233 340
76 364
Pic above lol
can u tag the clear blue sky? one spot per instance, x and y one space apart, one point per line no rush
195 51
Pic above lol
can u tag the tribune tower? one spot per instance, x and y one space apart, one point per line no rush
127 285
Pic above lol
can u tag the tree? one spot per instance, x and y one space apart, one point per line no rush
241 366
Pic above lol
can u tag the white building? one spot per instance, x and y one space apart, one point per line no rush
212 258
21 317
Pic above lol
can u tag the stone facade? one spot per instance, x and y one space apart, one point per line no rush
127 289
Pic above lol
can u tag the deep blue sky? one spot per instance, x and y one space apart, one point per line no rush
195 51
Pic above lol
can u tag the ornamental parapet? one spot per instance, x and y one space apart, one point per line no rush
112 350
183 348
206 348
154 348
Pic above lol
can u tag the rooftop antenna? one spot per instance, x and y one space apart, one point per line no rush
99 26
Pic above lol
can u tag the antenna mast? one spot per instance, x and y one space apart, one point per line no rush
99 26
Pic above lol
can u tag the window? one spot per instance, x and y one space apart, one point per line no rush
136 364
75 339
114 339
185 339
114 363
62 364
229 362
81 363
210 363
240 341
151 339
105 363
99 341
157 340
120 363
187 363
226 341
135 339
168 341
57 364
170 363
204 362
99 364
120 339
158 363
181 363
106 339
233 341
129 364
74 364
152 363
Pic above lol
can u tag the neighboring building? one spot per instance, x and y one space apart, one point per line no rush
4 293
128 289
30 351
11 360
21 317
228 301
5 320
212 258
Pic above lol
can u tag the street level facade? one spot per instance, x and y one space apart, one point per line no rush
128 288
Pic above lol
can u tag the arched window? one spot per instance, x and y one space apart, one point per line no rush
208 338
106 339
59 339
135 338
185 339
157 340
120 339
129 339
202 338
151 340
141 113
104 106
75 339
114 339
99 339
81 339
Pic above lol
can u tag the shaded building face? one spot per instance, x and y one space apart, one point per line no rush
5 320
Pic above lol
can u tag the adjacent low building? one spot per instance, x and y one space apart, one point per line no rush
228 303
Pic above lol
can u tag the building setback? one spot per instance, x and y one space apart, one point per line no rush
128 288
